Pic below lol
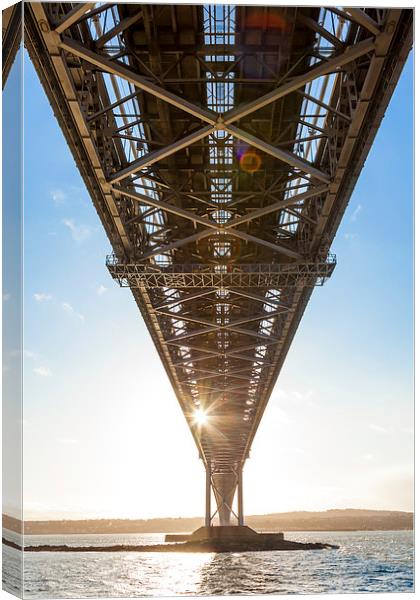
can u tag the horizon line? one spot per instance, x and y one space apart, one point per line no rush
40 519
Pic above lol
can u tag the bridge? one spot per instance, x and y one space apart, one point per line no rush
220 145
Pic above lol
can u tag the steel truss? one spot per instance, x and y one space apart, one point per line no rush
220 146
209 276
11 37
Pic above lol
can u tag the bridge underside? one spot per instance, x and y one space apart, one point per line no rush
11 37
220 146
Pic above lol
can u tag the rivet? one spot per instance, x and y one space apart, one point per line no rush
45 28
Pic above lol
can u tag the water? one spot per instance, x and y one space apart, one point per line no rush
365 562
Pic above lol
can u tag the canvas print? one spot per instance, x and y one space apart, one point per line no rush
207 299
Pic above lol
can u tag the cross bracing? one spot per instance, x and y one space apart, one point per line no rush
220 145
170 275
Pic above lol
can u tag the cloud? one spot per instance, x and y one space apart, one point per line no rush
101 290
6 297
378 428
43 371
368 457
79 233
355 213
305 397
350 236
58 196
41 297
70 311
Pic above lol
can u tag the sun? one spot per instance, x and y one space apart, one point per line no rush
200 417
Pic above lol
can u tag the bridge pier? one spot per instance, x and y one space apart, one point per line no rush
227 537
224 486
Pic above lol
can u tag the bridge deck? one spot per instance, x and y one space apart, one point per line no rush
220 146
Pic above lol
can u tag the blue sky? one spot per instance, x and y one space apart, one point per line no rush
12 293
104 435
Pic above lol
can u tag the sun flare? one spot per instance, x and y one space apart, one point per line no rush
200 417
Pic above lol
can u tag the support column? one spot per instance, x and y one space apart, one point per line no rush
208 498
224 488
240 499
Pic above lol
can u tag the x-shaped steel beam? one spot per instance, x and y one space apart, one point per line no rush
212 226
218 121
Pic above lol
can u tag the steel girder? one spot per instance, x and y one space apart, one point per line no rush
220 146
11 37
184 276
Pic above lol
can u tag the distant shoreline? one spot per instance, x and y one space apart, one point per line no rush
345 520
259 531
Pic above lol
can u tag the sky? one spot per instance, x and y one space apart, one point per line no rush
104 435
12 187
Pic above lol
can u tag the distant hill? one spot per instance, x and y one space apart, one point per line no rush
330 520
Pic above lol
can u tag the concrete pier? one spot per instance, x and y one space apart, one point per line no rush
232 532
237 538
221 533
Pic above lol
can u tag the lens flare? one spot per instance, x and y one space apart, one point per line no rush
250 161
266 28
200 417
272 21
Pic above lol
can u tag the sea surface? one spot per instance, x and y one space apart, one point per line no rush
366 562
